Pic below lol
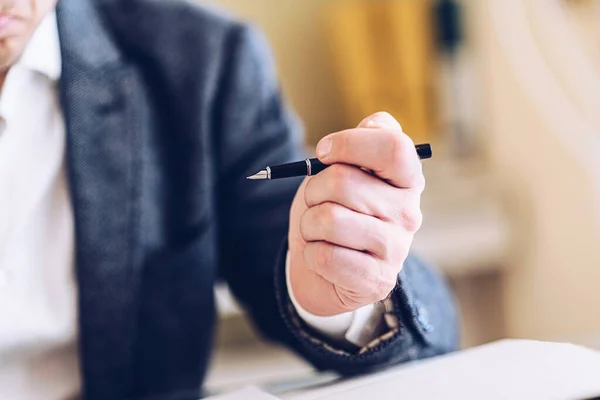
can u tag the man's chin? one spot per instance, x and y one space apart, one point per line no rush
10 51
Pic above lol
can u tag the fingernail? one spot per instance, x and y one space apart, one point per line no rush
324 148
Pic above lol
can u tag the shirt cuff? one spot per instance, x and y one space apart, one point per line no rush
358 327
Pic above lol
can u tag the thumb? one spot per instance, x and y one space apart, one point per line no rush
380 120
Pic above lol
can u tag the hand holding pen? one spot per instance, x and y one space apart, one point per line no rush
352 224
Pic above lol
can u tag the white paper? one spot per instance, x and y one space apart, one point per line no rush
509 369
250 393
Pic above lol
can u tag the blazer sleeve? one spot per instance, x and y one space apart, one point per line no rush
254 128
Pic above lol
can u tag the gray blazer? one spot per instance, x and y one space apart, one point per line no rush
168 107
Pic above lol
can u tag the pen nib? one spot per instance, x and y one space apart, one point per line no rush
263 174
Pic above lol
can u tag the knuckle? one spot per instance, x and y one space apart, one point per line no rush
341 179
398 154
398 142
411 219
325 256
331 215
383 119
396 150
382 115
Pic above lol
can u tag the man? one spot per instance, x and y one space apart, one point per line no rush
128 128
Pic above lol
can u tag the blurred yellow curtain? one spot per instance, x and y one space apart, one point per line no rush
383 57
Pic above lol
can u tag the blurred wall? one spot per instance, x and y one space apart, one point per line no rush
296 34
542 142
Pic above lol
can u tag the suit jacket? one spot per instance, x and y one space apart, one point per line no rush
168 107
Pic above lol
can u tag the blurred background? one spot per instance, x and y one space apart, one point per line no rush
508 93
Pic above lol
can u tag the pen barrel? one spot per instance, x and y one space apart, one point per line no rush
316 166
313 166
298 168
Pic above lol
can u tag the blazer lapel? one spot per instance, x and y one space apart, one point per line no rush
99 93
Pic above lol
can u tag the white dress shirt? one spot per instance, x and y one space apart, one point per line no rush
38 329
38 297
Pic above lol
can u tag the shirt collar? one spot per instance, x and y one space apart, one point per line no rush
42 53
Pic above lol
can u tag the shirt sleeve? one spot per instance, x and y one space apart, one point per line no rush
358 327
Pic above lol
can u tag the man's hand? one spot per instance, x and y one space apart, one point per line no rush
352 225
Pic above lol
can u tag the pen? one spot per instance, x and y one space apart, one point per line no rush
312 166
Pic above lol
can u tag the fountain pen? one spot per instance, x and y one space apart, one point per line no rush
312 166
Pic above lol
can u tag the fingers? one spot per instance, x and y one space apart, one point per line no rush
382 148
363 279
357 190
341 226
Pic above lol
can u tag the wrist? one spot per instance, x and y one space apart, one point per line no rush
359 326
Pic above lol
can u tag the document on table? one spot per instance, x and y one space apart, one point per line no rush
250 393
508 369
